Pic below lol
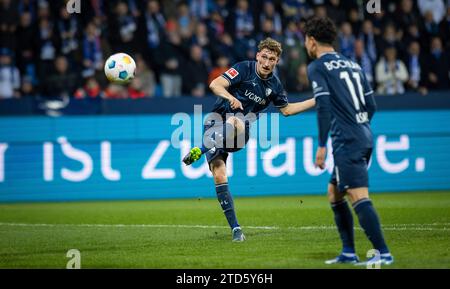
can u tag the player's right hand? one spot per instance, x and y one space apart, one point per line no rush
320 157
235 103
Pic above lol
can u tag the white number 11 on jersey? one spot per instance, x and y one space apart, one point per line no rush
344 75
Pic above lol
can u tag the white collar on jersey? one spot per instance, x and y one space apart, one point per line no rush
325 53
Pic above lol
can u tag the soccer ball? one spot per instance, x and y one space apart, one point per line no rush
120 68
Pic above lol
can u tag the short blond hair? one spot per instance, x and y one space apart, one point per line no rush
270 44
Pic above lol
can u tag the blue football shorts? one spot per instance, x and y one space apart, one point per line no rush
350 169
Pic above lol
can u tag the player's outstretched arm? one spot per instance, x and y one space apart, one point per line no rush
219 87
298 107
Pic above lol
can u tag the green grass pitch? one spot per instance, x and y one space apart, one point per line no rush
282 232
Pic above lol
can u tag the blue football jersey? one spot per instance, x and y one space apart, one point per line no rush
344 102
254 92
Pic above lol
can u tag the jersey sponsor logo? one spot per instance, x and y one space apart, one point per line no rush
338 64
255 98
232 73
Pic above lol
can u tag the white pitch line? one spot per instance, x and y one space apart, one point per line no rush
400 227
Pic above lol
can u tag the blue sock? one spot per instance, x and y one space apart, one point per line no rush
344 222
226 202
369 221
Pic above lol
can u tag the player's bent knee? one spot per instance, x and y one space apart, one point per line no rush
356 194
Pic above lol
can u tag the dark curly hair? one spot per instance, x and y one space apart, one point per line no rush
322 29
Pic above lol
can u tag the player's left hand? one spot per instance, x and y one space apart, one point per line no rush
320 157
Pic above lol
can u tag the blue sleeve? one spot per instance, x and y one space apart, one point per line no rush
318 81
323 118
323 105
280 99
368 96
237 73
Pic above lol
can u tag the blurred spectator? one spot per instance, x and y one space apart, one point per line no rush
123 28
346 40
335 12
225 47
27 89
222 65
152 30
294 10
222 7
430 29
435 7
302 78
362 58
200 8
320 11
445 28
9 75
269 13
267 30
296 78
391 73
412 33
438 66
28 6
201 39
406 15
379 21
242 27
146 77
390 38
216 25
185 20
367 35
90 89
133 7
171 66
26 47
8 23
293 37
116 91
355 21
92 53
67 27
63 82
196 73
136 89
242 23
416 67
293 56
47 47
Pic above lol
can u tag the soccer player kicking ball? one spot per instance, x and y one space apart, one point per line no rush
246 88
345 106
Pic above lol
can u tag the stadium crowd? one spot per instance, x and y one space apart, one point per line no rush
180 46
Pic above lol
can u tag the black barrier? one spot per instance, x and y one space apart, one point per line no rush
40 106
